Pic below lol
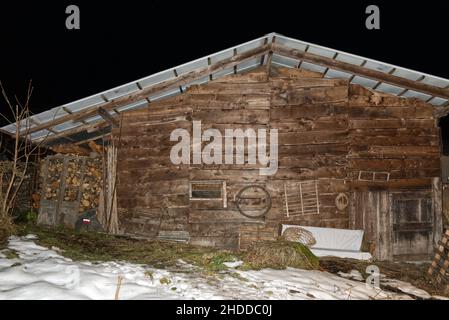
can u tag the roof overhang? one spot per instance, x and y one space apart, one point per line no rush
90 118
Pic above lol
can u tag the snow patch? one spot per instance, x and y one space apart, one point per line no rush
353 274
41 273
406 288
233 264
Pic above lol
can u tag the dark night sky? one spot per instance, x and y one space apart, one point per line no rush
123 41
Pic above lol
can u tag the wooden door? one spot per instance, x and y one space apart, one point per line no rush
412 219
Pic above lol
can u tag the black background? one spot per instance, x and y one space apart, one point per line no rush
122 41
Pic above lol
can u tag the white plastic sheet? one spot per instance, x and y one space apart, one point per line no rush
343 243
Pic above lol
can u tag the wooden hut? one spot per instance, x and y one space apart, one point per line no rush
379 155
358 147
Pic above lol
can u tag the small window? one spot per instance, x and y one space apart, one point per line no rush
208 190
374 176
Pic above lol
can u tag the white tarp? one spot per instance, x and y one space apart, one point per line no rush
343 243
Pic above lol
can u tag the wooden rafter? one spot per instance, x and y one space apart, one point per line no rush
90 127
181 80
360 71
66 110
107 117
270 57
262 58
35 122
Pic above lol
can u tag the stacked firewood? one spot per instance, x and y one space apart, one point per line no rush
82 180
92 184
53 181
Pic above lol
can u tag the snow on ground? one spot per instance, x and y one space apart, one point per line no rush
41 273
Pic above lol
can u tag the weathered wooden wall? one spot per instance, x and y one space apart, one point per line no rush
399 137
392 134
235 102
147 181
311 114
328 132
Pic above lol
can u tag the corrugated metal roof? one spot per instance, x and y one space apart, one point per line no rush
135 86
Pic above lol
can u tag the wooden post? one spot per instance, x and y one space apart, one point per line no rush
62 191
43 188
437 194
80 188
384 245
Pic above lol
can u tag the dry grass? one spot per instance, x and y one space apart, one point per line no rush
101 247
416 274
6 229
280 254
98 247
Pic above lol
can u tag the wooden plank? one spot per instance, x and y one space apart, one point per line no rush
383 112
299 125
220 216
311 162
311 96
391 123
232 116
154 201
231 88
324 149
306 83
128 189
250 173
307 174
402 140
293 73
292 112
372 98
208 102
313 137
395 164
397 184
397 151
392 132
437 208
155 174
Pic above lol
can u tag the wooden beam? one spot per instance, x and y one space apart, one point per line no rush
262 58
327 68
86 127
48 129
353 76
107 117
441 111
360 71
300 62
235 67
93 138
183 79
7 133
380 82
70 112
176 75
209 62
270 58
140 88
